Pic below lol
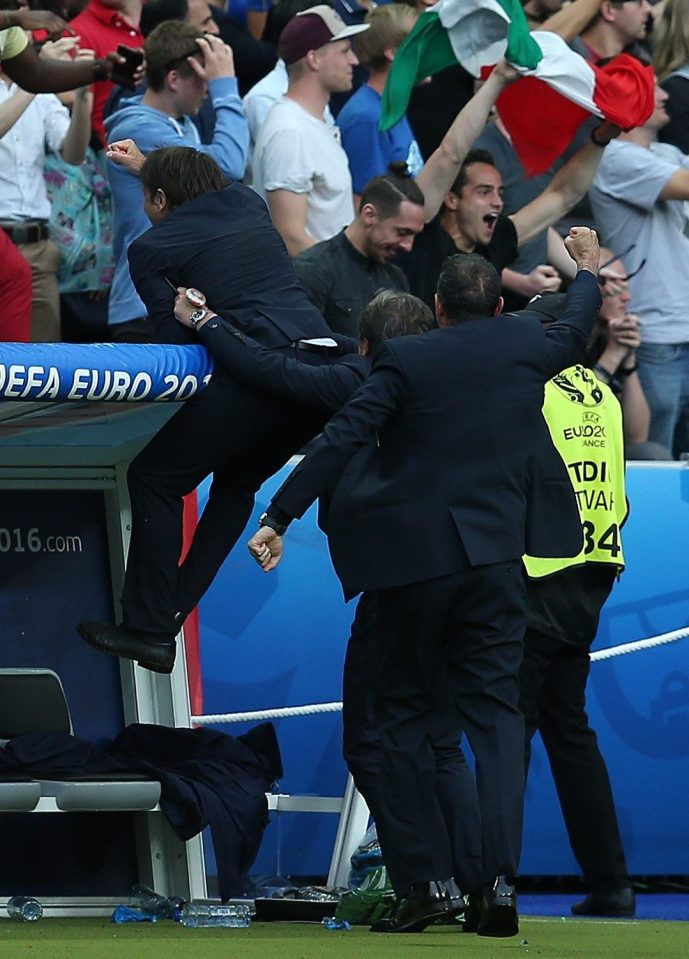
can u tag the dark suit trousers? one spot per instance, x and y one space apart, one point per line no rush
553 699
455 786
461 632
239 436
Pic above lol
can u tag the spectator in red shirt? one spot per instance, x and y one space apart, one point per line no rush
101 27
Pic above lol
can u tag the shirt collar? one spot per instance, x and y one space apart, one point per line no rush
107 14
353 253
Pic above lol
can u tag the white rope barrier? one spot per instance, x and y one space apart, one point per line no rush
639 644
267 714
285 711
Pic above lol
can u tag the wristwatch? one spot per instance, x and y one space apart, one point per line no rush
265 520
195 318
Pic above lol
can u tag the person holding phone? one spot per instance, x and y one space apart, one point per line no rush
22 64
104 26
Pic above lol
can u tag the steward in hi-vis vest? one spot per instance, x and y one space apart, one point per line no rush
585 422
565 597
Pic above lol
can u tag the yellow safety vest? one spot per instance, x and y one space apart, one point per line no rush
585 423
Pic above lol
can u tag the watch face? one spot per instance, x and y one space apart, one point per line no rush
195 297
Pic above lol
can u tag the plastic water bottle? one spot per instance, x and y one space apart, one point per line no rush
196 915
24 909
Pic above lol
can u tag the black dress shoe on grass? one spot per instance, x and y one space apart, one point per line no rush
135 644
616 903
426 902
499 911
473 909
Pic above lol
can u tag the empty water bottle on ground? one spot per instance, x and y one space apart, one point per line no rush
197 915
24 909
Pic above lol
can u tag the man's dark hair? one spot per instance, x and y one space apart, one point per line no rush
469 287
154 12
280 15
473 156
390 314
387 193
167 48
182 173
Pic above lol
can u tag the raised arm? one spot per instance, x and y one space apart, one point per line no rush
33 73
566 188
78 135
567 337
572 19
440 170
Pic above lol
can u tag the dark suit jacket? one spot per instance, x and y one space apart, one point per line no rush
324 387
224 244
453 424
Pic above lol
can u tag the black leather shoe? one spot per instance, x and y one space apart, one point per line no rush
473 909
617 903
130 644
426 902
499 912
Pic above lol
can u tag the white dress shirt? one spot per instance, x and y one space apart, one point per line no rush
42 126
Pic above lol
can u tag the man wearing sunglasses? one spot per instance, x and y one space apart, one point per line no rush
618 25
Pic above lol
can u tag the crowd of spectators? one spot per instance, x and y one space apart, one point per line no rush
287 97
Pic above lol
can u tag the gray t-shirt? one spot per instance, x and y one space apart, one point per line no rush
627 211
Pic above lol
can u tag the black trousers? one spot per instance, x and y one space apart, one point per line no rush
455 785
553 680
239 436
464 633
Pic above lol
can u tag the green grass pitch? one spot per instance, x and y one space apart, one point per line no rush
538 939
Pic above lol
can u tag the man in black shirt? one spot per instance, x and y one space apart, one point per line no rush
342 274
471 220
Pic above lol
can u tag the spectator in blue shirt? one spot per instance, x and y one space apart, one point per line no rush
370 152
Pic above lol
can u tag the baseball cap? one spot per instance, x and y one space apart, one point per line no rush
313 28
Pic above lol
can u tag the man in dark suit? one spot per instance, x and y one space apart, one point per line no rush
389 314
436 525
219 238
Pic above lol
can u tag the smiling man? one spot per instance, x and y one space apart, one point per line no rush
342 274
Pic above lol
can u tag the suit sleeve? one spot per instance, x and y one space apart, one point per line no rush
350 429
567 338
147 267
325 387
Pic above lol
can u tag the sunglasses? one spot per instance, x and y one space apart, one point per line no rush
620 279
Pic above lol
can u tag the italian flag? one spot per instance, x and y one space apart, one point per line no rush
559 88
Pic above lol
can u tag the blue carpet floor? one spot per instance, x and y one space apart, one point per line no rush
648 905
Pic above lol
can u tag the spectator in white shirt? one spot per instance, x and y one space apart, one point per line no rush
31 124
299 166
